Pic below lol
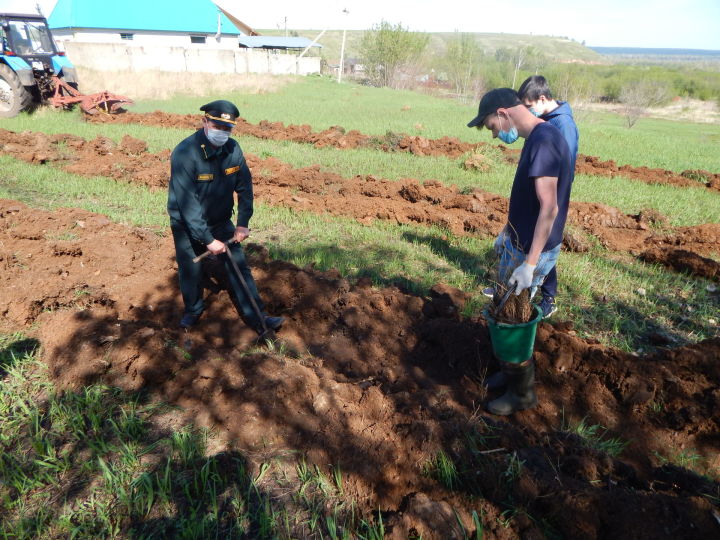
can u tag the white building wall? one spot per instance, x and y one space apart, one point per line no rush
144 37
138 58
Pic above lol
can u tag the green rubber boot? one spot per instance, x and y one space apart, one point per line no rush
520 393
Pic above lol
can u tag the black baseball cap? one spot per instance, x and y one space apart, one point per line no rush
499 98
221 111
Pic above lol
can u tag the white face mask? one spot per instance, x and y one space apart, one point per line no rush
217 137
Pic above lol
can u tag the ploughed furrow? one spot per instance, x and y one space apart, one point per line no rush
367 198
451 147
385 380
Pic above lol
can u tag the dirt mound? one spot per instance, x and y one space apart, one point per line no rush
334 137
595 166
391 379
128 161
683 261
711 180
451 147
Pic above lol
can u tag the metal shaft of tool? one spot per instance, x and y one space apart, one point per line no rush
258 313
506 297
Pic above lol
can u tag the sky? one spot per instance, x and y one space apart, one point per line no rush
685 24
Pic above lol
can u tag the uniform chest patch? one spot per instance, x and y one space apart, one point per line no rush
205 177
232 170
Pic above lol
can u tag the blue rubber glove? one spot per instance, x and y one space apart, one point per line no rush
523 277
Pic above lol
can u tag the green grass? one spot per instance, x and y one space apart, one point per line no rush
681 205
443 469
595 436
122 203
597 289
653 142
688 458
321 103
94 463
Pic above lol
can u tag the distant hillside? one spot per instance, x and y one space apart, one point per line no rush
554 48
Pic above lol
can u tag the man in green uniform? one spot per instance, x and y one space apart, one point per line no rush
206 169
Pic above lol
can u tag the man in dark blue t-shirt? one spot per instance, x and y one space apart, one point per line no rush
538 209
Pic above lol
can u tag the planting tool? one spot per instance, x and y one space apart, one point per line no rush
505 298
267 333
208 253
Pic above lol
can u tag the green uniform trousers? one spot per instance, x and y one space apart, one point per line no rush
190 273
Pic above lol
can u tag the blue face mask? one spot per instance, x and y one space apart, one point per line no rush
532 110
217 137
508 137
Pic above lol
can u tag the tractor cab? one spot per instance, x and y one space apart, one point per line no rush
29 48
28 37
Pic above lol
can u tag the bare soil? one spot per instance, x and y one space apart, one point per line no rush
338 137
380 382
367 198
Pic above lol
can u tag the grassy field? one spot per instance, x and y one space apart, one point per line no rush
681 206
410 256
98 462
322 103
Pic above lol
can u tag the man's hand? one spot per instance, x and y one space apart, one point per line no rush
216 247
522 276
241 233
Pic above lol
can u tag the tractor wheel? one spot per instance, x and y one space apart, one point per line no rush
14 97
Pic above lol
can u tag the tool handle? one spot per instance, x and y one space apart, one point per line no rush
203 255
250 296
506 297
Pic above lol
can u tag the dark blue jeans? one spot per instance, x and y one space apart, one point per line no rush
190 273
549 286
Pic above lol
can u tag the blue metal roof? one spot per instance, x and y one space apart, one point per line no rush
276 42
162 15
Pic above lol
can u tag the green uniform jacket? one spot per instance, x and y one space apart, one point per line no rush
202 181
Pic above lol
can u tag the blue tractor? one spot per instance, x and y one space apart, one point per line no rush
33 71
30 64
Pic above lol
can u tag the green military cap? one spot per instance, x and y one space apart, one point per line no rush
221 112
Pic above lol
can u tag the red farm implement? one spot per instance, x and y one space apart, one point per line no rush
101 102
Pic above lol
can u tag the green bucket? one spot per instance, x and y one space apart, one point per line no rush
513 343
